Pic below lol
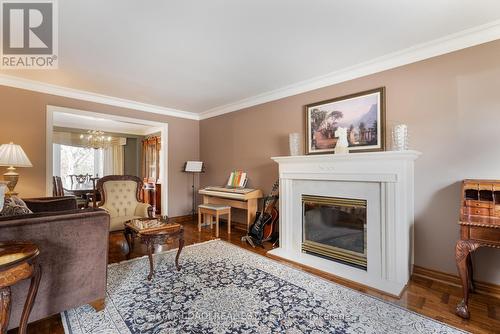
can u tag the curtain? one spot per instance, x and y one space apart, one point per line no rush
114 158
151 159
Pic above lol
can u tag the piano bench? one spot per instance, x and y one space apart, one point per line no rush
214 210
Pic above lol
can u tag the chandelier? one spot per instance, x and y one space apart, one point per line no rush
96 139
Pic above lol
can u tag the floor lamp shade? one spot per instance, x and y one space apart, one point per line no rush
13 156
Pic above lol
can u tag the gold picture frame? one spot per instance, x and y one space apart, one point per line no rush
362 113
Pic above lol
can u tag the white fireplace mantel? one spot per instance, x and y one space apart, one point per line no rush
385 180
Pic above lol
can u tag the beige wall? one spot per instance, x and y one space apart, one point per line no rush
23 117
451 104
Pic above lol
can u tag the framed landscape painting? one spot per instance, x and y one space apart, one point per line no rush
362 114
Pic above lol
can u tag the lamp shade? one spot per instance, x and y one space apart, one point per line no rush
13 155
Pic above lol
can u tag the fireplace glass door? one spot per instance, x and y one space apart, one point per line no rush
335 228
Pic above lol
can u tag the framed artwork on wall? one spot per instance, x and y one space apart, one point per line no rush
362 114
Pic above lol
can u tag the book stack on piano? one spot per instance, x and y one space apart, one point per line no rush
237 179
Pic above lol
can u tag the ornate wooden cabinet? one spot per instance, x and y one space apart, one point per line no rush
151 194
479 227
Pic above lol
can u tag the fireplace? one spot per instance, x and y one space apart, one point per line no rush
335 228
349 215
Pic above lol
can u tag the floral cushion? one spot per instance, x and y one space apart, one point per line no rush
14 206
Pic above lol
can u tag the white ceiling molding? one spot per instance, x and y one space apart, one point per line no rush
84 122
41 87
457 41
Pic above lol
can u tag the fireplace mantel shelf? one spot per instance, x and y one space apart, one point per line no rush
315 158
384 180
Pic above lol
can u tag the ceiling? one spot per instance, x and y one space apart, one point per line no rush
86 122
197 56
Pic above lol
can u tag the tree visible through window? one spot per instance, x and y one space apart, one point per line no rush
80 160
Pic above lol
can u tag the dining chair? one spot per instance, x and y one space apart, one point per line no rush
94 196
57 186
82 178
58 190
79 178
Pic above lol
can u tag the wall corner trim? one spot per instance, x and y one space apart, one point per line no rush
450 43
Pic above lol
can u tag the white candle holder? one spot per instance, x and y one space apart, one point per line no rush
295 141
400 137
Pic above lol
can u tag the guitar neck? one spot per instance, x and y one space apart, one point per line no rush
270 201
268 208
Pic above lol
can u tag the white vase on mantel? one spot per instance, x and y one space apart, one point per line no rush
400 137
295 142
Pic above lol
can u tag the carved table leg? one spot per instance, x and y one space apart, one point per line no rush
462 253
150 247
4 309
181 245
471 273
132 241
128 237
28 304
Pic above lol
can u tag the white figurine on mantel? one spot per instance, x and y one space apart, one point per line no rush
342 146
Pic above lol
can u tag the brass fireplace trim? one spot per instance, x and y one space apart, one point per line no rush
334 253
346 202
329 251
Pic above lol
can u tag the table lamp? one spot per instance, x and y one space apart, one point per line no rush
13 156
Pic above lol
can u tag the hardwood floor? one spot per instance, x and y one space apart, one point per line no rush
430 298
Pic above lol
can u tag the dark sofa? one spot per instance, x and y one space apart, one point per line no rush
73 255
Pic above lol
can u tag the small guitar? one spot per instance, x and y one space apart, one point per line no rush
265 222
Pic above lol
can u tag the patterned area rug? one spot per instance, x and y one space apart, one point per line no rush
222 288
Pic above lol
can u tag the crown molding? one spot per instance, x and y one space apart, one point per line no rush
454 42
41 87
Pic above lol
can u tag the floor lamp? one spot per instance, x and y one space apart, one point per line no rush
194 167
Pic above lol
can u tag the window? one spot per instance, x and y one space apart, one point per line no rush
74 160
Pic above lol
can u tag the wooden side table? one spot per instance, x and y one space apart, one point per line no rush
152 232
18 261
475 232
479 227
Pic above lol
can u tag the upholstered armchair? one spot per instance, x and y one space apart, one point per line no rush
121 198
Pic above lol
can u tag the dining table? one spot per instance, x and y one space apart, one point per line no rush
83 190
79 189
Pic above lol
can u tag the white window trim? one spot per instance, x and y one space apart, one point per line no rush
56 159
